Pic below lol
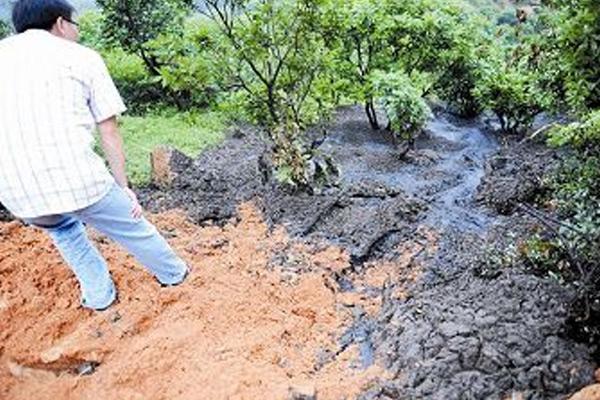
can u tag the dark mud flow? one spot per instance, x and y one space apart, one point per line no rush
462 329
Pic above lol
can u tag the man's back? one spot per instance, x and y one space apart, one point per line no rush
52 93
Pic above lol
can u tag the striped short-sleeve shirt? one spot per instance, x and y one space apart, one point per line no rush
53 92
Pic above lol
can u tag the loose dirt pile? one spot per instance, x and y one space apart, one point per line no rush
241 327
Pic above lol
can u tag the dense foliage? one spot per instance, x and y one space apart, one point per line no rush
286 65
163 51
402 100
570 42
564 50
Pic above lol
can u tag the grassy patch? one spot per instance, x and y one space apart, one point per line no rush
189 133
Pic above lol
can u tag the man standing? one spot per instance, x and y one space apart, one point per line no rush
53 94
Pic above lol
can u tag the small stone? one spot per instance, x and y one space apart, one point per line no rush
302 392
53 354
515 396
87 368
15 369
451 329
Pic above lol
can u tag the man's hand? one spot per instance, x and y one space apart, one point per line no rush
136 211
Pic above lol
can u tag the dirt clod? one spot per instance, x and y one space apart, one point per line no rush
166 163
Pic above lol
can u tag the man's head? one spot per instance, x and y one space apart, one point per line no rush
55 16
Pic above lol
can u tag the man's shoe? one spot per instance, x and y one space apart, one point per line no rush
164 285
115 301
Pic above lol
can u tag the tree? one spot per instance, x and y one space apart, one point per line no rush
437 37
364 47
276 56
134 23
513 94
570 38
444 39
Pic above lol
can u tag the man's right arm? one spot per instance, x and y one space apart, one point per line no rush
105 104
112 144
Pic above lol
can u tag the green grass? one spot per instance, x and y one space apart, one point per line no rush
189 133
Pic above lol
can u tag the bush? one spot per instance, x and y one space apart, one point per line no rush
583 136
403 103
443 39
298 166
570 41
433 36
90 30
153 31
572 252
512 92
274 53
184 73
457 81
187 62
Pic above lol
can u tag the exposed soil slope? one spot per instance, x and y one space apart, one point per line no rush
382 287
239 328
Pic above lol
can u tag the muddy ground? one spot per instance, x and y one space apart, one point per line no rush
409 302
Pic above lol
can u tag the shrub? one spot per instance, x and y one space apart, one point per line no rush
437 37
512 92
298 166
404 105
274 53
133 25
583 136
90 30
570 41
572 252
187 62
444 39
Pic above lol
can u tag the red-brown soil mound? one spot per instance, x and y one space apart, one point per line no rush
236 329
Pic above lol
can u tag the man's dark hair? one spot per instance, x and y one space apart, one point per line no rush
39 14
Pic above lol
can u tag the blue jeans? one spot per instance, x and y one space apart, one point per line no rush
111 216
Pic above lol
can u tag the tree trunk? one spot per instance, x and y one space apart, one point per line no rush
370 110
